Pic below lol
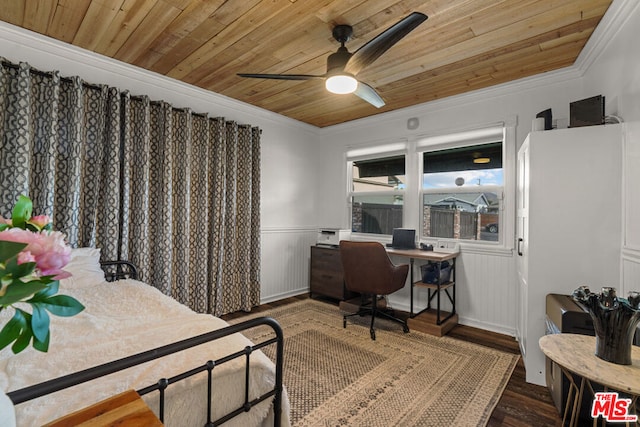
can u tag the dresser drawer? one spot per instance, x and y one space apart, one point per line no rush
326 258
326 277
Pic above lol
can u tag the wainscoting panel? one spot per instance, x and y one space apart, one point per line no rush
630 273
285 262
486 291
486 285
487 295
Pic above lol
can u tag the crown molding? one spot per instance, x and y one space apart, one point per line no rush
503 89
613 20
131 78
41 51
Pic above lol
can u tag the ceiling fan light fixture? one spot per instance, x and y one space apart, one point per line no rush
341 84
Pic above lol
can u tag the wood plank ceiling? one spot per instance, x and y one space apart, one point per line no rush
463 46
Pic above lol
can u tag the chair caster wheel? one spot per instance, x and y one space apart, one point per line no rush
405 329
373 334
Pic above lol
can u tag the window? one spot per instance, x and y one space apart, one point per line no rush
450 188
377 194
462 187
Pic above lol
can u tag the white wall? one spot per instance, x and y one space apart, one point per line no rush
288 157
486 281
486 288
616 74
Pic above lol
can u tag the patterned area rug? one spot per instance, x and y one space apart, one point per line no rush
340 377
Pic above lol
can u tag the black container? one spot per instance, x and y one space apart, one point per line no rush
436 272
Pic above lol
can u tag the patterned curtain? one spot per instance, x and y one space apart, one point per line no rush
175 192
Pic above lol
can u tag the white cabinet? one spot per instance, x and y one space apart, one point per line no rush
568 229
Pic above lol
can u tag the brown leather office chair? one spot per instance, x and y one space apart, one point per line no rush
369 271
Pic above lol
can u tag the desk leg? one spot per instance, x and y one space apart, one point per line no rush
438 321
411 280
453 271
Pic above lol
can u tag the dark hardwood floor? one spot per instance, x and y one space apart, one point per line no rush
522 404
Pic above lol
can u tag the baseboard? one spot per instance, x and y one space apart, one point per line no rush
487 326
284 295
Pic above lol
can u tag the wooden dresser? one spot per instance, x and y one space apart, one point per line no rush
326 277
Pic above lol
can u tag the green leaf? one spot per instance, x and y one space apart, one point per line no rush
4 226
49 290
21 212
24 335
62 305
10 249
23 341
39 322
42 346
17 291
11 330
19 270
24 338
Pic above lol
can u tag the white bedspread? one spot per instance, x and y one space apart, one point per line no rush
123 318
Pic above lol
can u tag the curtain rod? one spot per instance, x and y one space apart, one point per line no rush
49 74
37 72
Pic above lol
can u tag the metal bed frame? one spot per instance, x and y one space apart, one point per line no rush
121 269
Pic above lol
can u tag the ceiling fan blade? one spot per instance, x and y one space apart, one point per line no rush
374 48
281 76
369 94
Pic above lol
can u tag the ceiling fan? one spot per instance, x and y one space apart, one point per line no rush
343 66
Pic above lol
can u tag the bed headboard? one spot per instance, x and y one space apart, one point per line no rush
116 270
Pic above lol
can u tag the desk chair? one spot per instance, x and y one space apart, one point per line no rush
368 270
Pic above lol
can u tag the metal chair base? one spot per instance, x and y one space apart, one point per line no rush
373 310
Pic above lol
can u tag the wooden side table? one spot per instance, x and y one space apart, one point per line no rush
126 408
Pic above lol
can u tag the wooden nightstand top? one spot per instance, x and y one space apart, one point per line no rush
126 408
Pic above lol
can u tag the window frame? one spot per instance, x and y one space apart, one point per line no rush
496 189
506 209
412 148
373 153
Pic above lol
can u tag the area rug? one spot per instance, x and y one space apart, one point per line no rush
340 377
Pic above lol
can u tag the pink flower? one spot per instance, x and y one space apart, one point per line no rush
48 248
40 221
17 235
25 256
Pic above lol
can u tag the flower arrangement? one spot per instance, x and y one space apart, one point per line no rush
32 258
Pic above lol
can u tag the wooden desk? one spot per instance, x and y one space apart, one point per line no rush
423 319
126 409
576 354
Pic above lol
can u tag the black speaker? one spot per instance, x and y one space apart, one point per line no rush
546 115
587 112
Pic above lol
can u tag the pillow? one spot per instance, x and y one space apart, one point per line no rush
84 267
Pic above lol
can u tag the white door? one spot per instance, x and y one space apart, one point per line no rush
522 240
